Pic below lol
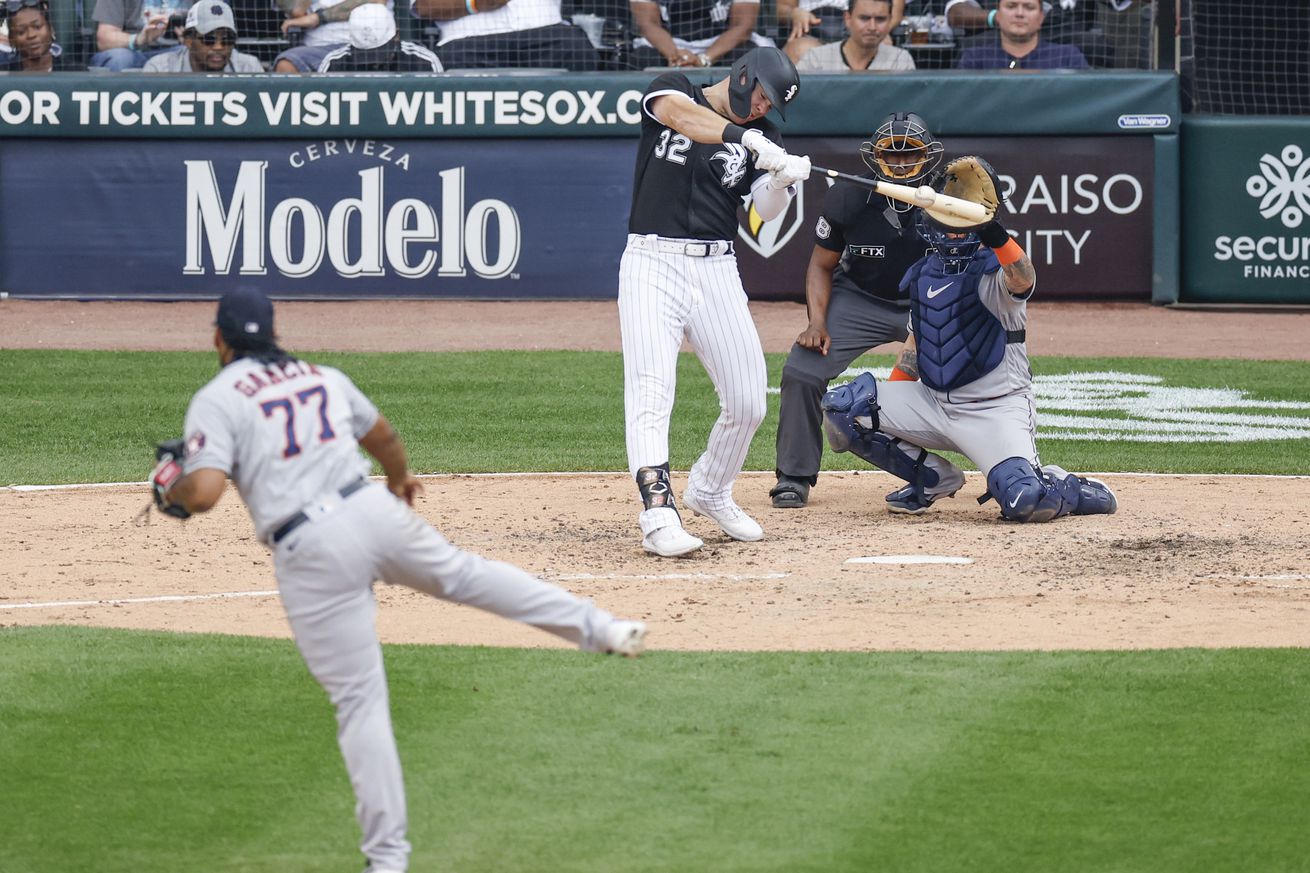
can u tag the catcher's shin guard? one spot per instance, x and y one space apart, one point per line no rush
1025 494
850 419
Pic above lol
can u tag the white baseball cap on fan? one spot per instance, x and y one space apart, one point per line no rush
371 26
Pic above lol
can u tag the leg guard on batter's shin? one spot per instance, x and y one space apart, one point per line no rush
653 482
1025 494
850 419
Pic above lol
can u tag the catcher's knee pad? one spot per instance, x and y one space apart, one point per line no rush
850 411
850 419
1027 495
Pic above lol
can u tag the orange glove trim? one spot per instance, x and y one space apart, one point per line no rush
899 375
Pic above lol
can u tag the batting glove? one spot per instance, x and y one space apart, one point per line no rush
768 154
795 168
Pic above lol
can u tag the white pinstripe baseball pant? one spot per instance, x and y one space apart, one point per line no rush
665 296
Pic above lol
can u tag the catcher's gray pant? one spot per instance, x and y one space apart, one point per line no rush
856 323
325 572
985 431
664 297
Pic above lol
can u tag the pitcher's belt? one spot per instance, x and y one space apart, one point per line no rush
300 518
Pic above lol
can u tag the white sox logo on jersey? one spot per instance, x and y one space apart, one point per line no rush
734 163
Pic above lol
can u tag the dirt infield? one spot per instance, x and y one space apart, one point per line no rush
1188 561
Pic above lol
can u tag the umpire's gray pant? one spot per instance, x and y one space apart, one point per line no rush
856 324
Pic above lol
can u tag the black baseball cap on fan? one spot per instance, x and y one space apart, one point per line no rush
245 318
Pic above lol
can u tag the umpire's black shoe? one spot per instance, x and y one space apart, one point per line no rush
790 494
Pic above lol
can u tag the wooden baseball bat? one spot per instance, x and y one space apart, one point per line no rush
941 206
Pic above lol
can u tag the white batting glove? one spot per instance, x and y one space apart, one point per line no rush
768 154
795 168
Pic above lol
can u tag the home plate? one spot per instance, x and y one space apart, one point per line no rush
910 559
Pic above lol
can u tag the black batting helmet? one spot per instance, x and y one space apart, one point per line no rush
902 149
772 70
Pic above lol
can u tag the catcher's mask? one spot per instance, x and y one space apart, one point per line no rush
956 250
772 70
902 150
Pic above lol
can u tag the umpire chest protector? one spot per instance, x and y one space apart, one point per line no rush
958 338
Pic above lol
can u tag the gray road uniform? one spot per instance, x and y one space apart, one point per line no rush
286 433
974 397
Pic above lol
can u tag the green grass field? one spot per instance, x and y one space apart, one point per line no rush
157 753
95 416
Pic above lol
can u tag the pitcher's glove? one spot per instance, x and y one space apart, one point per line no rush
169 469
973 179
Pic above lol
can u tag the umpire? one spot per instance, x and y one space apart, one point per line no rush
863 244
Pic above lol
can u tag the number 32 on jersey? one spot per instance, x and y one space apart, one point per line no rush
672 147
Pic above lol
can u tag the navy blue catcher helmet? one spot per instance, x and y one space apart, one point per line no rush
955 250
772 70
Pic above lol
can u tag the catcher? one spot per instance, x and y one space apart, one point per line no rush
968 302
863 244
288 433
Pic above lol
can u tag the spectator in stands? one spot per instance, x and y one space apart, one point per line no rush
868 23
209 38
694 33
375 48
324 25
1068 21
507 33
807 24
32 39
128 34
1019 46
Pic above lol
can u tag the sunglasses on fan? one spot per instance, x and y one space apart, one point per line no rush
218 37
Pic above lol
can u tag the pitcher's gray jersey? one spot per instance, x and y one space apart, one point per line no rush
275 430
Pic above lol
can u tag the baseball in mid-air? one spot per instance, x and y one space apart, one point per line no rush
924 195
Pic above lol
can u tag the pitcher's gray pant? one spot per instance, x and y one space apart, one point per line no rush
856 323
325 573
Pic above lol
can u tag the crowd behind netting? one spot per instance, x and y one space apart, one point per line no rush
1235 57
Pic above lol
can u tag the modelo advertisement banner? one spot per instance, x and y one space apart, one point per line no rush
1081 208
353 218
1246 198
346 218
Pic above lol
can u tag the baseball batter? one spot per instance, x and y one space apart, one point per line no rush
287 432
968 306
863 244
678 279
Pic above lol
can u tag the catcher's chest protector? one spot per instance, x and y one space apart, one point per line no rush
958 338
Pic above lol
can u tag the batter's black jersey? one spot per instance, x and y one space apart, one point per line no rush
877 244
685 189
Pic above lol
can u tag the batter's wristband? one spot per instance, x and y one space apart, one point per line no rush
733 132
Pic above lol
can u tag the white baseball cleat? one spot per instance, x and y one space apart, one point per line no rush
670 542
732 518
626 638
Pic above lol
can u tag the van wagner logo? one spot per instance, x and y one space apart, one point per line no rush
365 233
1283 186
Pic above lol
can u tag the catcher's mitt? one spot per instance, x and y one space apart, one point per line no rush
169 469
969 178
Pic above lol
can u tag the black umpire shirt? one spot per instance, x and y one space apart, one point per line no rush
877 244
685 189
